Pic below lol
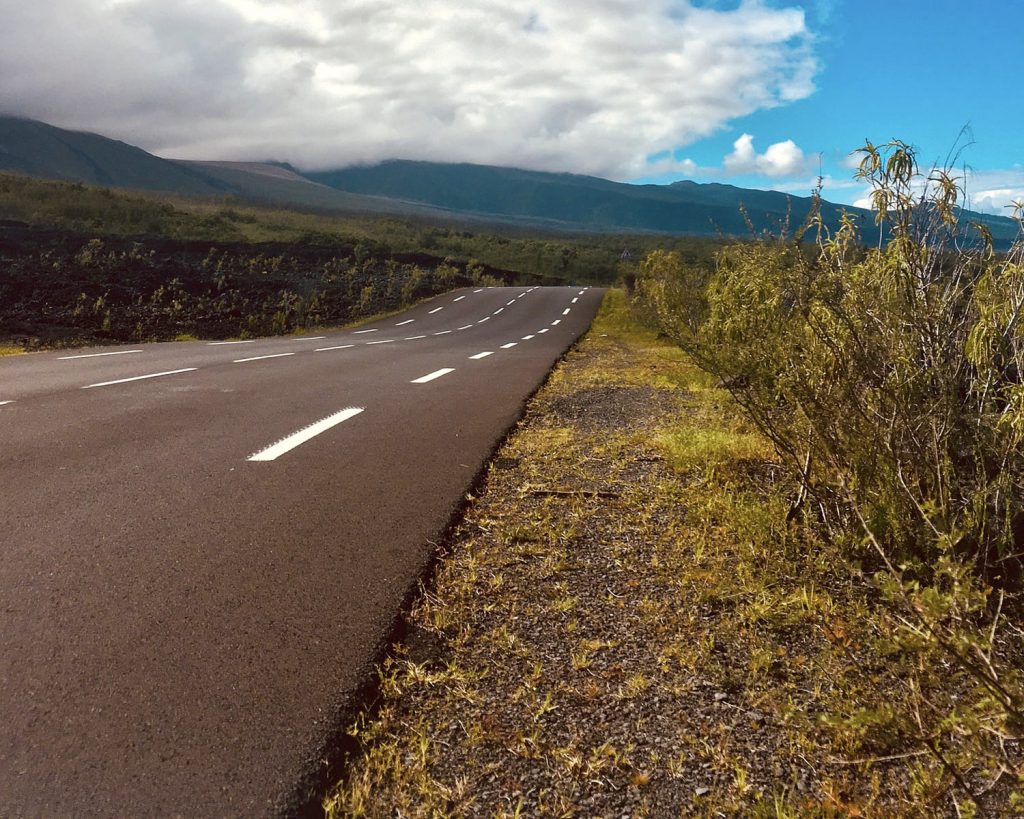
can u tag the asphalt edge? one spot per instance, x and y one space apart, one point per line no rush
304 799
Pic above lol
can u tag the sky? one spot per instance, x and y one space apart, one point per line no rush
756 93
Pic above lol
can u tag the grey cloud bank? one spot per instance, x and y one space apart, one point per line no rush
590 87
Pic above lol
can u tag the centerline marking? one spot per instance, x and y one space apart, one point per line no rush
436 310
272 453
260 358
97 355
403 323
222 343
342 347
139 378
433 375
510 345
478 356
360 332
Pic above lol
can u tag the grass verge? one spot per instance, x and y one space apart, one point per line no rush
624 625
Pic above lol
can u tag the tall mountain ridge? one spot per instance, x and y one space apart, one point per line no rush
487 194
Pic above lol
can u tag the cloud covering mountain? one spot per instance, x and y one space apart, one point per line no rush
592 86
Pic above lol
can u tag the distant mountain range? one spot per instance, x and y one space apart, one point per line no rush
559 202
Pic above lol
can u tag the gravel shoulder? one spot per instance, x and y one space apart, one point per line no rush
624 625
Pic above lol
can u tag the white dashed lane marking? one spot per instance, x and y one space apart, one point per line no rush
436 310
556 322
478 356
442 333
360 332
310 338
465 327
481 290
340 347
527 338
386 341
575 300
274 452
415 338
5 403
139 378
433 375
403 323
499 310
487 318
460 298
222 343
260 358
566 311
510 345
97 355
543 331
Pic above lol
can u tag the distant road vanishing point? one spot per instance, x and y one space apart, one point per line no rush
205 544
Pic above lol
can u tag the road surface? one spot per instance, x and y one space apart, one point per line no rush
205 545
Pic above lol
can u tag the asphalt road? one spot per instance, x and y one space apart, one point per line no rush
205 544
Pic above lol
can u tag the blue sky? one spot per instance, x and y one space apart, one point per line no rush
917 70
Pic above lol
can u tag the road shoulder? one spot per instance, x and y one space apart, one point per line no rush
623 624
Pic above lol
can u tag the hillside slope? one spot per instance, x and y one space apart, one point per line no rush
36 149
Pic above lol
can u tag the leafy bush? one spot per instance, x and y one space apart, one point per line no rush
889 378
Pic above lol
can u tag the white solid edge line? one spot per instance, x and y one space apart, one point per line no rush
510 345
403 323
310 338
274 452
527 338
386 341
360 332
566 311
460 298
415 338
433 375
96 355
260 358
436 310
341 347
222 343
478 356
465 327
139 378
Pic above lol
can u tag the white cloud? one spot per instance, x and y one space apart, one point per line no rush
779 160
592 86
